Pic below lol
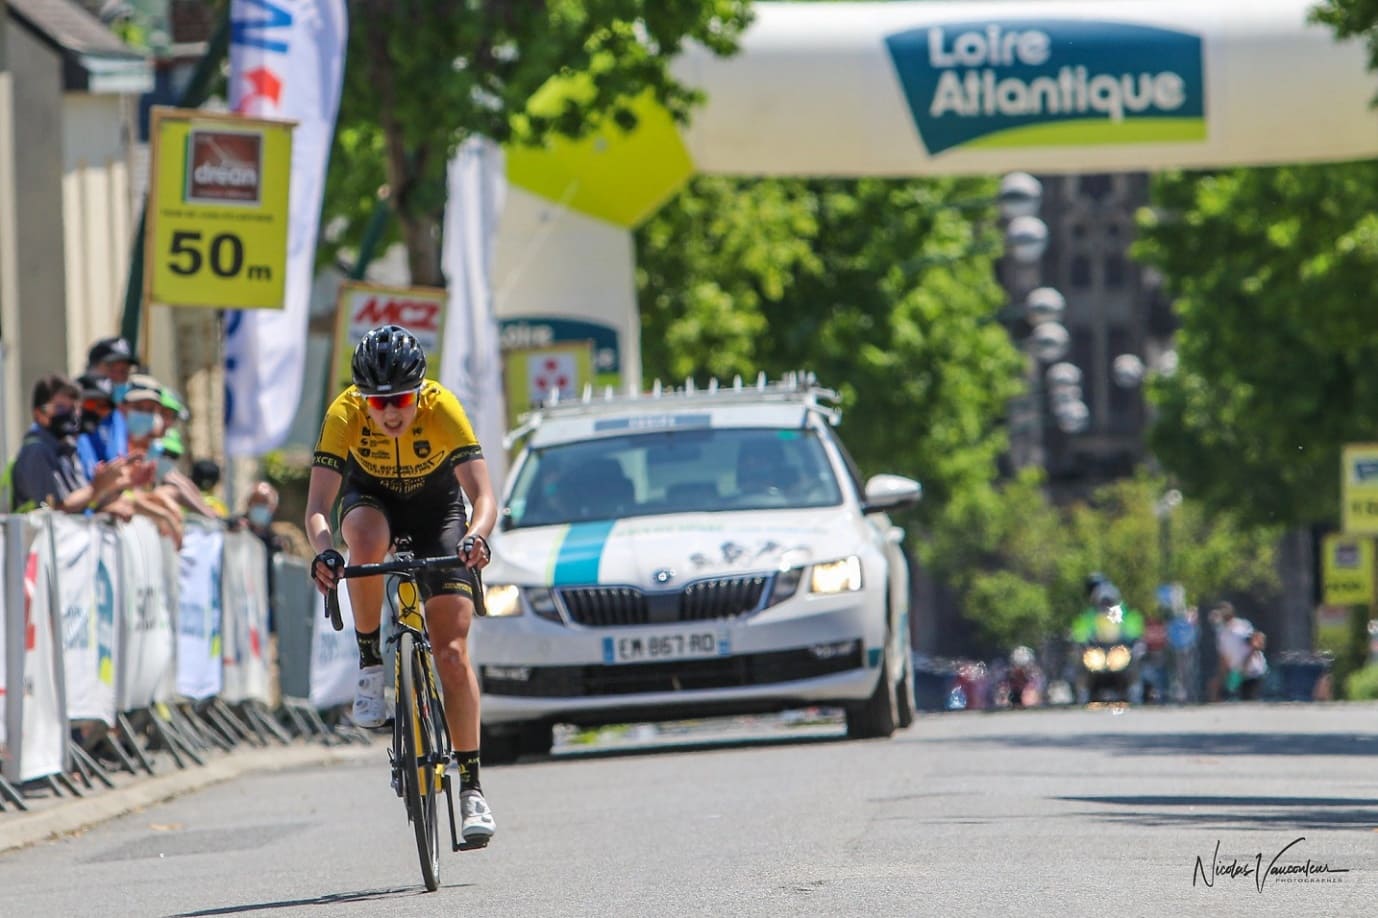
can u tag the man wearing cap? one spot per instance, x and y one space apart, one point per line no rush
112 360
46 470
95 443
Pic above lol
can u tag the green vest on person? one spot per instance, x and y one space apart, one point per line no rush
1095 625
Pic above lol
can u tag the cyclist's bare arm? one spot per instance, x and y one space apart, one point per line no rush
320 497
473 478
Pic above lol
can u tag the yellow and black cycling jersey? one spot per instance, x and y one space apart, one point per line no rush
423 459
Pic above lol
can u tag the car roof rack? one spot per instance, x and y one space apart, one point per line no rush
795 386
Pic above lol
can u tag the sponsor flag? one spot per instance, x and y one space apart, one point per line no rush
286 61
471 364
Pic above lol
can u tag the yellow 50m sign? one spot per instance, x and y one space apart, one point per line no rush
216 234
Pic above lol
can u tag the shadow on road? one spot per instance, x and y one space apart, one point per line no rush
1197 811
668 745
1176 744
363 895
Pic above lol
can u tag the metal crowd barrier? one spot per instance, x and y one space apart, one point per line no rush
116 646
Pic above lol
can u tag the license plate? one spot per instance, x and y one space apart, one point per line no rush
675 645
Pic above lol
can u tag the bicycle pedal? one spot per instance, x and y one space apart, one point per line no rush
472 845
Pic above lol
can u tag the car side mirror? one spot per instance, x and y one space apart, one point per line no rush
890 492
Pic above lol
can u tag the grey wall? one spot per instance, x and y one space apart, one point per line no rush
42 294
10 401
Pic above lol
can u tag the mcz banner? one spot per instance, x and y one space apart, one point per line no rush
217 218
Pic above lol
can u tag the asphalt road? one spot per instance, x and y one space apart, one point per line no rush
1056 812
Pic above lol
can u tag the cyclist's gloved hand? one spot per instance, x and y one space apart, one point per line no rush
327 567
473 548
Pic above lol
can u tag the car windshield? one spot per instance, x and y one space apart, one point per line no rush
704 469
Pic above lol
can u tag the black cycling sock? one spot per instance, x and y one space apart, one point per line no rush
467 762
370 651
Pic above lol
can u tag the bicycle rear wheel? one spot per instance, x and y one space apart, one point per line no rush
420 771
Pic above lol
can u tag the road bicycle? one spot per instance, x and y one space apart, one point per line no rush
421 750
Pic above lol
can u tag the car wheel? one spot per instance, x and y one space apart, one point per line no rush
876 716
904 697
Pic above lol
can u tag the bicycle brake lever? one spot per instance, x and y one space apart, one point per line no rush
332 610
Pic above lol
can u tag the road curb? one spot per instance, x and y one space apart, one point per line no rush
19 830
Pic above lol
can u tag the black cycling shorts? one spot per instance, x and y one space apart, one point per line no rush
434 526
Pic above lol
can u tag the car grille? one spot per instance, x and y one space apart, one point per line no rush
703 600
679 676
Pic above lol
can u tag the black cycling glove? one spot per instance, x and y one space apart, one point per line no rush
332 559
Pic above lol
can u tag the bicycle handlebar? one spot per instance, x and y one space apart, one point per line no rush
404 566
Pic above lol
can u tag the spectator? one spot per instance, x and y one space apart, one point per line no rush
46 470
96 443
151 498
112 360
1242 665
140 406
259 511
205 474
167 452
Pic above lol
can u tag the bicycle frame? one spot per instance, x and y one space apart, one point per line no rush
425 736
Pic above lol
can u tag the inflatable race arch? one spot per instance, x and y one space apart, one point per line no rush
922 88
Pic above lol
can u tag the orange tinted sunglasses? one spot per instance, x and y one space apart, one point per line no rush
401 400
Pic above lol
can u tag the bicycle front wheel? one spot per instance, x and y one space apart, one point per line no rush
421 774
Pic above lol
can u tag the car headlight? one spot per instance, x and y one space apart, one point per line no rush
1093 658
836 576
542 603
502 599
1117 658
786 584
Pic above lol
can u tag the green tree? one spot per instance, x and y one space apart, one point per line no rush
423 75
1352 19
884 289
1024 580
1272 271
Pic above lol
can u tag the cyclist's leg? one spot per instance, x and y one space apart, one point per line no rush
364 526
449 613
448 616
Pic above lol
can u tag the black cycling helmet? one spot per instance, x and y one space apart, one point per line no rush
388 359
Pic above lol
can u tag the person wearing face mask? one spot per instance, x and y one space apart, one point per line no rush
47 471
142 419
94 442
150 497
111 360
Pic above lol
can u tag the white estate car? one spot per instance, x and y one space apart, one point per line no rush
691 554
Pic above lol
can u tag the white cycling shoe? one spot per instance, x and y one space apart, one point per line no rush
477 825
370 709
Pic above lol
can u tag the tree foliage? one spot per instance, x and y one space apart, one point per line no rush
1274 272
1021 563
884 289
423 75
